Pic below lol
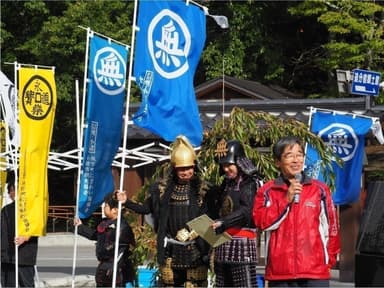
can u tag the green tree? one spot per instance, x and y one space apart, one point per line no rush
53 34
20 21
355 34
231 45
266 43
61 41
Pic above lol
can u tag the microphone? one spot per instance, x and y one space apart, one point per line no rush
296 197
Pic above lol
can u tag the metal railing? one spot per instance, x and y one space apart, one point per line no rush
60 217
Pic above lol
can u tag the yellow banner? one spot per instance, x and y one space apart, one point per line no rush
3 173
37 105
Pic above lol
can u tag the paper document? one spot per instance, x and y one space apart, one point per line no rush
202 226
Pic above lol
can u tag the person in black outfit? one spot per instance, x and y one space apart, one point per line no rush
105 236
235 261
27 249
174 200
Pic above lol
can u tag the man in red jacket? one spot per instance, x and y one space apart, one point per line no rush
300 222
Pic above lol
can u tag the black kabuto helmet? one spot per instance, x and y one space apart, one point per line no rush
229 152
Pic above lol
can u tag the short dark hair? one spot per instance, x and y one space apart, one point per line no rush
280 145
111 200
10 185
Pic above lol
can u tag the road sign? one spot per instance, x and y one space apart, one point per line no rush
365 82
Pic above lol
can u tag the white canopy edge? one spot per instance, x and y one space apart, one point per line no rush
142 155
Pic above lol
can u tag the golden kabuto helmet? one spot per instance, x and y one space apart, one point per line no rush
183 154
229 152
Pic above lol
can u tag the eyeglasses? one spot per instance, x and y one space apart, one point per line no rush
291 156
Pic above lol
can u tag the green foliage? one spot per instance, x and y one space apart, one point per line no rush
374 176
50 34
229 45
144 253
355 28
355 36
61 42
279 42
257 130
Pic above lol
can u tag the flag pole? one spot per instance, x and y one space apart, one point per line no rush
80 126
103 36
125 135
30 65
223 91
15 163
346 113
311 110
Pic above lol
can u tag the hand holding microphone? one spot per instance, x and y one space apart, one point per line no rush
296 196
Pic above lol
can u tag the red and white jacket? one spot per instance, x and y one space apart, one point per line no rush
302 239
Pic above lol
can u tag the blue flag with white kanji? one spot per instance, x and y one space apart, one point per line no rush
169 43
345 134
104 120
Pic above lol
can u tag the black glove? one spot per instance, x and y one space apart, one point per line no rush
220 229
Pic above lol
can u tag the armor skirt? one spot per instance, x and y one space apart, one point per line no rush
238 250
235 263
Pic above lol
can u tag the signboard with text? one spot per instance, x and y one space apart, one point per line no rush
365 82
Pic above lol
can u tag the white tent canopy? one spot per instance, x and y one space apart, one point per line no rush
142 155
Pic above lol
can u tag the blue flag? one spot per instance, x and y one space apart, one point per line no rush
168 48
104 120
345 134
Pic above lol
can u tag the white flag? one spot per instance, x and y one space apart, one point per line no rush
221 20
378 132
8 104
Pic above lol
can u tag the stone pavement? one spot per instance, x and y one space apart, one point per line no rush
80 281
55 261
335 280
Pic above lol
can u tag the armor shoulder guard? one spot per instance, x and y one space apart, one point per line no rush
250 185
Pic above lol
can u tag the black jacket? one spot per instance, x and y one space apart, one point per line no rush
235 202
27 251
105 235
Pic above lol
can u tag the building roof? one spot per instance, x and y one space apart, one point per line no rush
239 88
